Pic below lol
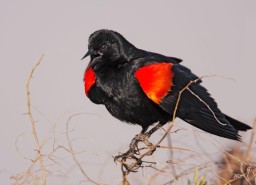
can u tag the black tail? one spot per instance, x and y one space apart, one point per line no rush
237 124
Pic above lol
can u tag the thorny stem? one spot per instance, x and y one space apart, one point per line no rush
33 122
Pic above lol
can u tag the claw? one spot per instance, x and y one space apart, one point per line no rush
135 166
123 156
134 150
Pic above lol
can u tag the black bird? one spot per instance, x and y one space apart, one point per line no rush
141 87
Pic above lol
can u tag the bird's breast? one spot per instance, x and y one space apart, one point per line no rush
89 80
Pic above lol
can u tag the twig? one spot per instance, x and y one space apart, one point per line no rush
73 153
209 108
171 154
33 122
17 147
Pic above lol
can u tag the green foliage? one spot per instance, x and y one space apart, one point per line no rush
198 180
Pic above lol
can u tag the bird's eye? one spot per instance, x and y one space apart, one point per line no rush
104 47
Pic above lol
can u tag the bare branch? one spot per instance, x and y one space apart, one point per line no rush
33 122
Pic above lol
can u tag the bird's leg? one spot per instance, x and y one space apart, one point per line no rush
154 129
134 143
144 129
148 134
143 137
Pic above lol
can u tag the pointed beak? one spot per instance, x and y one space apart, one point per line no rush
95 58
86 55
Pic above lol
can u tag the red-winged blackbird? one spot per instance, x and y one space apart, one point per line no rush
142 87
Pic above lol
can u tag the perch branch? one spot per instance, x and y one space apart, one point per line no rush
33 122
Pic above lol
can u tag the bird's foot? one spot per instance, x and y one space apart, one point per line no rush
133 148
130 162
151 148
122 157
128 159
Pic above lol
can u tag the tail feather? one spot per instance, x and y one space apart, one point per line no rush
237 124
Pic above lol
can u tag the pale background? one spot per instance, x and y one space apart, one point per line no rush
212 37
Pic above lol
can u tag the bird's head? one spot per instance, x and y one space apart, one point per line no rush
107 47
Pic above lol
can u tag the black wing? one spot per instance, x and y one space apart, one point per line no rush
198 108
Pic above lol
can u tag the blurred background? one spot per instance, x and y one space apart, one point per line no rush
212 38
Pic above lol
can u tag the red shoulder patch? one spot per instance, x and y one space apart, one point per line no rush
89 79
155 80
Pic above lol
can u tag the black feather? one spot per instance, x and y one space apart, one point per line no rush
237 124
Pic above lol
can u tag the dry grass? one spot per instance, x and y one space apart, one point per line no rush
238 167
